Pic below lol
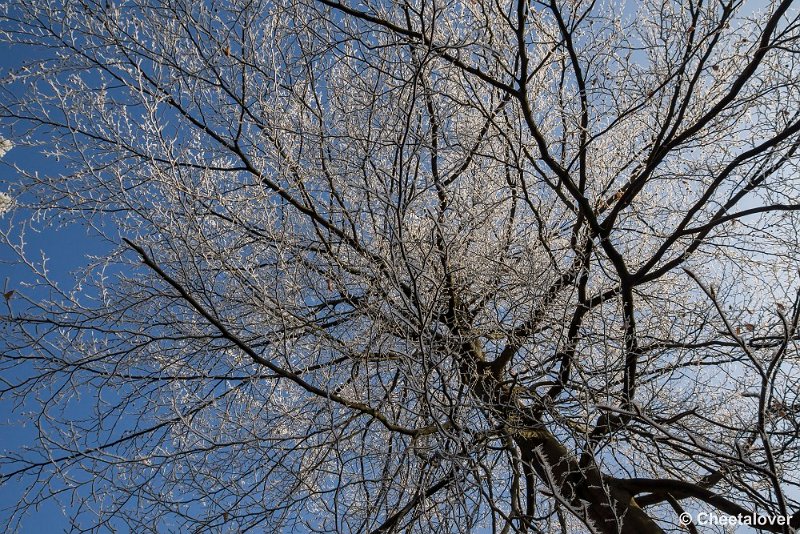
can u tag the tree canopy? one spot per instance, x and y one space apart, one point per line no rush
435 266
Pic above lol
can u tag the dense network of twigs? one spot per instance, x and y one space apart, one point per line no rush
376 266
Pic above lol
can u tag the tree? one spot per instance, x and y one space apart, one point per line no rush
444 266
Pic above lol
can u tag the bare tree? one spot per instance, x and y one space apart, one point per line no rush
440 266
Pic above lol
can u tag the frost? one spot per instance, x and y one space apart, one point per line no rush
5 200
5 146
5 203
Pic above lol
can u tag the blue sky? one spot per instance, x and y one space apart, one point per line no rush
66 248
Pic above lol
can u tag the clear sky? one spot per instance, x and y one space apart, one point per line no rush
66 248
